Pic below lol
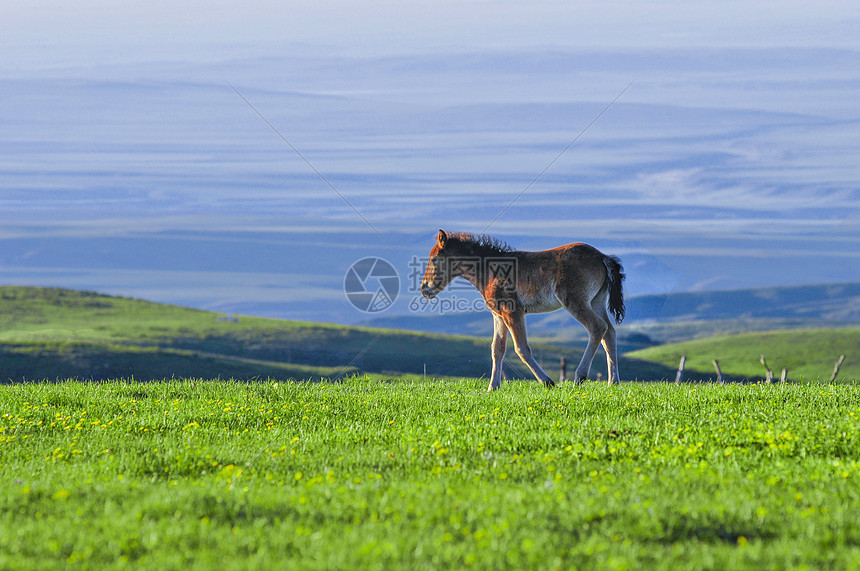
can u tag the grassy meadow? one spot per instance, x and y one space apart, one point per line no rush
377 472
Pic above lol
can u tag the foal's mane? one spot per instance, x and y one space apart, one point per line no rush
478 244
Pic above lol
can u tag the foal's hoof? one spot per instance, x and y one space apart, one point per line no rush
549 384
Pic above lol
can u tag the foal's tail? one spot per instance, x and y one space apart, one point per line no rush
615 275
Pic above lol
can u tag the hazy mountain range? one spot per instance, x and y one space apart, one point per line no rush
717 168
674 317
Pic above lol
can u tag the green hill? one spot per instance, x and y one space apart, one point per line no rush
50 333
806 354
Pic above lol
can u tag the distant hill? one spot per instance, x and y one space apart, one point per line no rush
657 319
51 333
834 302
807 354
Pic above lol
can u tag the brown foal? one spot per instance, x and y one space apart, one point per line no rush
578 277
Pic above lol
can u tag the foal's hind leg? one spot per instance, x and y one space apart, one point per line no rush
517 327
598 304
596 327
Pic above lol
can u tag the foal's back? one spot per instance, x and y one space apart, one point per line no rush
567 275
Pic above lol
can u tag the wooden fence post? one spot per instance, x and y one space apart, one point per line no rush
563 374
836 368
769 378
719 372
680 376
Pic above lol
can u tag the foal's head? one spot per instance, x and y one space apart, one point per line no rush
439 273
455 254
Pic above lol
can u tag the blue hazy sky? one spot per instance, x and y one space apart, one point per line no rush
128 165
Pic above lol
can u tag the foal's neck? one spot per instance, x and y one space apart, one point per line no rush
479 274
474 276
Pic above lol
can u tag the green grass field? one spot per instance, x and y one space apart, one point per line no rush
397 473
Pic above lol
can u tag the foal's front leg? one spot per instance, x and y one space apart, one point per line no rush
500 342
517 326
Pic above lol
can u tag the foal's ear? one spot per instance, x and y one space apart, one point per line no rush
442 237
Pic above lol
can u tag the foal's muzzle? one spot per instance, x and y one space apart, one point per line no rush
428 291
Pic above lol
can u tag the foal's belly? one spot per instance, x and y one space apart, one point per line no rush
540 301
